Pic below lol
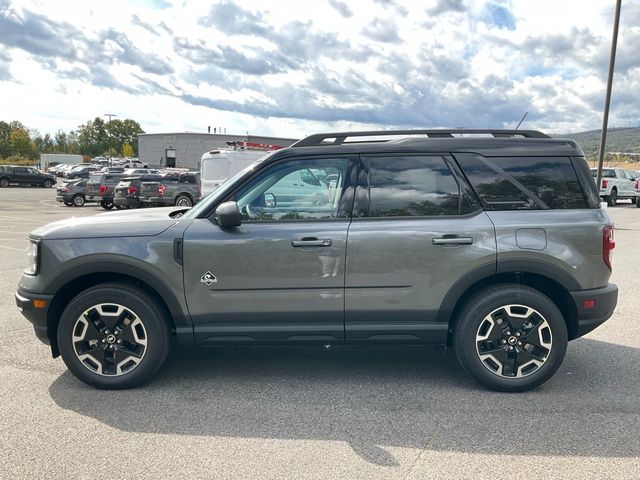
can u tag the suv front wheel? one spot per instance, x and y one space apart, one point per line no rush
510 337
113 336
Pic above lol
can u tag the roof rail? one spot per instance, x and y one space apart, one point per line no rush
339 138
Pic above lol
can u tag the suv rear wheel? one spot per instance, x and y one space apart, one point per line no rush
4 182
78 200
106 204
113 336
510 337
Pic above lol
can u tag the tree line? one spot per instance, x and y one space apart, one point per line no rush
93 138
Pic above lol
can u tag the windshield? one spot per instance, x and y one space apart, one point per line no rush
220 192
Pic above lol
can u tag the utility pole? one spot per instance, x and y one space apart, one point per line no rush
110 115
607 102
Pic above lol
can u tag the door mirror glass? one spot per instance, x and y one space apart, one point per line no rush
228 215
270 200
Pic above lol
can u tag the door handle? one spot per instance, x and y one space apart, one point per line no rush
452 241
311 242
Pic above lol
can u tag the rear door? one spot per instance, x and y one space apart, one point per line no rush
280 275
416 230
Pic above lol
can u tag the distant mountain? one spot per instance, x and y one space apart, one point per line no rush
625 140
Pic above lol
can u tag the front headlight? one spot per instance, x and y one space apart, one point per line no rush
33 254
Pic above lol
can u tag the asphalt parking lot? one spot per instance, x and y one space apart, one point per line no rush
306 412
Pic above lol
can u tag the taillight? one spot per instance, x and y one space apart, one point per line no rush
103 189
635 184
605 183
608 244
132 190
65 189
162 189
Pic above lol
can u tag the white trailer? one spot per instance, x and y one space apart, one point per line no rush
50 159
219 165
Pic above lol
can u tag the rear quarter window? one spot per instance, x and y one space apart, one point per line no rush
551 181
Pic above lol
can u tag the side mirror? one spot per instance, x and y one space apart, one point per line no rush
228 215
270 200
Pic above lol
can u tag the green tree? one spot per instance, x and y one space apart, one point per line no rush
123 132
21 143
44 144
5 139
93 138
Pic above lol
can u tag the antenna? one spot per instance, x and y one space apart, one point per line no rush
522 119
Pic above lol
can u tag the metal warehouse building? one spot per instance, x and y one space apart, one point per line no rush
185 149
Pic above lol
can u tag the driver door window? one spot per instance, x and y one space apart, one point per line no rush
295 190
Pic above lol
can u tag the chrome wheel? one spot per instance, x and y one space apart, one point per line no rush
183 201
109 339
513 341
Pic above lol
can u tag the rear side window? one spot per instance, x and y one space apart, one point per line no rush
524 182
406 186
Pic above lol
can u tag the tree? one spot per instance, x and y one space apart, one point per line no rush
123 132
127 150
5 143
44 144
93 138
21 143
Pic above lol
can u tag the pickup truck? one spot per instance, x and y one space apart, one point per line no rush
182 190
616 183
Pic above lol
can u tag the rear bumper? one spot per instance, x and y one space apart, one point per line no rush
37 316
605 300
127 202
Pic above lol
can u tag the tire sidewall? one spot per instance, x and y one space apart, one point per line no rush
486 302
154 322
75 199
183 197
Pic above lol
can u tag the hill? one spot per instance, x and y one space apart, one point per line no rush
625 140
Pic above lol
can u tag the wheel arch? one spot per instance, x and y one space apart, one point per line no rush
546 278
76 280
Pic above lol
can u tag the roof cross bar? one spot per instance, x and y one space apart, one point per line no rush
338 138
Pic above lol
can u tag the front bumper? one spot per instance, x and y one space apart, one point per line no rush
37 316
604 299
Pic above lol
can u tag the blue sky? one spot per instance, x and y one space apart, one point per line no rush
291 68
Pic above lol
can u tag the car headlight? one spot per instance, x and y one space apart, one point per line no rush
33 257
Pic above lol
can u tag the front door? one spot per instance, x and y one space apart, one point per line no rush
279 277
415 232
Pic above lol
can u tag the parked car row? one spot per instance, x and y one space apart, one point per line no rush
133 188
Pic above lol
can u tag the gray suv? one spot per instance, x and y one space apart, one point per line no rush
490 241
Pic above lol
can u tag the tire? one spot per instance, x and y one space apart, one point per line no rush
486 343
78 200
48 183
183 201
106 204
4 182
612 199
69 204
101 348
633 200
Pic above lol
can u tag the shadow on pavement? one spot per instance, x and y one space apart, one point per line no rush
372 397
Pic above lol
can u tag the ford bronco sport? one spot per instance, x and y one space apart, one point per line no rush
491 241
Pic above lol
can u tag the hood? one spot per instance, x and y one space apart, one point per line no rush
129 223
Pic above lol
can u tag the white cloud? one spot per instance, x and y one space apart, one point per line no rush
290 68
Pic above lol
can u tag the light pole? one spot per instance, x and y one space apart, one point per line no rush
110 115
607 101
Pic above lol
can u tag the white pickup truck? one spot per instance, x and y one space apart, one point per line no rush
616 183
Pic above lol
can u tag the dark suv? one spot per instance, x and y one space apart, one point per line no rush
101 186
12 174
491 241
